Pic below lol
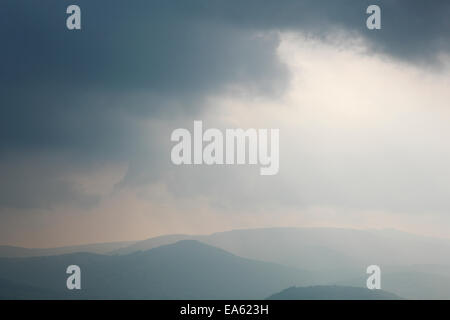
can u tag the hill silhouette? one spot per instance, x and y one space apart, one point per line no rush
318 248
184 270
332 293
414 267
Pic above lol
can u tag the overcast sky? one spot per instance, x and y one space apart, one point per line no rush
86 116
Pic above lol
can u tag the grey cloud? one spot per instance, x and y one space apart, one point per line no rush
73 89
174 52
40 183
87 92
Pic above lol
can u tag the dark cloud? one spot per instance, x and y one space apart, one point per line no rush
416 30
86 92
63 88
122 47
67 88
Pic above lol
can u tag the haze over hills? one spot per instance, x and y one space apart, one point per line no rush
323 248
184 270
152 243
411 282
100 248
309 248
413 267
332 293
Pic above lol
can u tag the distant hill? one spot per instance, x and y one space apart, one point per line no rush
414 267
287 246
101 248
328 249
151 243
411 282
333 254
184 270
332 293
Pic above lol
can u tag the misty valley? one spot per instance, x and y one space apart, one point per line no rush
295 263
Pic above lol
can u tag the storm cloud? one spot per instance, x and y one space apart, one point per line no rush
112 92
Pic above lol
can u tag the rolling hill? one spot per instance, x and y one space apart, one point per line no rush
414 267
332 293
100 248
319 248
184 270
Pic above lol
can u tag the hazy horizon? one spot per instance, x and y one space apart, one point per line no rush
131 241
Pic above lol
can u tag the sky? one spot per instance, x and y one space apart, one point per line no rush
86 117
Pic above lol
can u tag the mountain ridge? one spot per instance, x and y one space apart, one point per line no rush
332 293
185 270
